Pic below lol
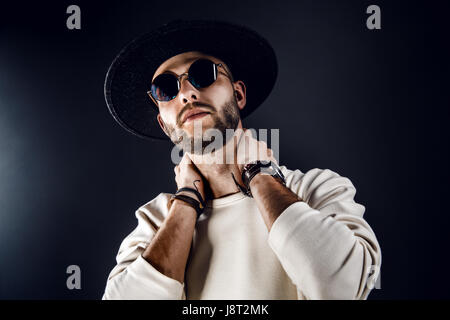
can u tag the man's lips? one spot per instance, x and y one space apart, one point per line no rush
194 114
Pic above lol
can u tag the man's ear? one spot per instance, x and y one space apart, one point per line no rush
161 124
240 94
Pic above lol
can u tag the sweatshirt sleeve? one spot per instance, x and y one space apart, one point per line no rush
134 277
325 246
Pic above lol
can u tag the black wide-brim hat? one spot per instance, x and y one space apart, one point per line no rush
248 55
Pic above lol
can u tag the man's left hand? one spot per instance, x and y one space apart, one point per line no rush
249 149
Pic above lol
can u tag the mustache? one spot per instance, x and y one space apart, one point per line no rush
192 106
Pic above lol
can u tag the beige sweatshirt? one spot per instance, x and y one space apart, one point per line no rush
318 249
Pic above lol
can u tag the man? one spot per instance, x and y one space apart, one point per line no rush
240 229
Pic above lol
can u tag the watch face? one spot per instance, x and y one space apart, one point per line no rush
269 170
276 172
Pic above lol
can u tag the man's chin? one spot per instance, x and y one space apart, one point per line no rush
191 130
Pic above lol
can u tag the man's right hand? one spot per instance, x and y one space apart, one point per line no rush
187 175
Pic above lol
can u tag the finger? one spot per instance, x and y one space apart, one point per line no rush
185 160
272 157
249 133
238 136
242 150
188 158
263 143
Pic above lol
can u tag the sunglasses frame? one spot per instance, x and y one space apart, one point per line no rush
178 77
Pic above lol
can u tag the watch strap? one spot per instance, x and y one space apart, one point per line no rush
252 169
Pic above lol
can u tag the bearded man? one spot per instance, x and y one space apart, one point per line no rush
240 229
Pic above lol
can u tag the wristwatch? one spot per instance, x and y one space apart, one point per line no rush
253 168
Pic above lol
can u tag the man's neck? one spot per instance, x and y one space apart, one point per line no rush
217 170
219 178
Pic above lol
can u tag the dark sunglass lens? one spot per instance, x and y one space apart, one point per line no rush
164 87
202 73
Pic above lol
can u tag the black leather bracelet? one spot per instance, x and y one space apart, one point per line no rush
190 201
199 196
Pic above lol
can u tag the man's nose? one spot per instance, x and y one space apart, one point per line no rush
188 93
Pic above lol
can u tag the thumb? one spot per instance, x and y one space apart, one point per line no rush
185 160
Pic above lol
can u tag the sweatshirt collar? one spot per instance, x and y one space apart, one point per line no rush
223 201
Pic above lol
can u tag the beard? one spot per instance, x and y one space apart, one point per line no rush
227 118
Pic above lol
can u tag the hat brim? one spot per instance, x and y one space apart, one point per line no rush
248 55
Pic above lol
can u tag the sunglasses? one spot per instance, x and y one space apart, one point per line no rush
201 74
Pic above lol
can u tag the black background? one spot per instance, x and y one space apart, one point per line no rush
371 105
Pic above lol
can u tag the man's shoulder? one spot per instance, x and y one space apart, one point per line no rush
304 182
296 174
155 210
321 188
